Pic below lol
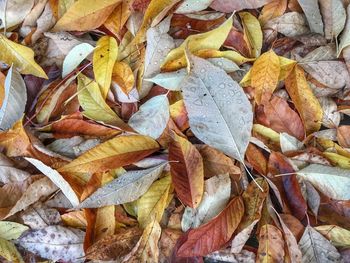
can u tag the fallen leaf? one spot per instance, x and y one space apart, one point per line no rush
152 117
232 6
105 55
290 24
252 34
13 105
126 188
153 203
331 181
9 251
334 17
315 248
114 153
202 240
265 73
15 12
345 36
216 194
304 100
273 9
21 57
340 237
271 244
187 170
85 15
228 133
123 76
11 230
57 179
312 12
55 243
74 57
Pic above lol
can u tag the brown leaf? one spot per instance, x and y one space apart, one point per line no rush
271 245
187 170
214 234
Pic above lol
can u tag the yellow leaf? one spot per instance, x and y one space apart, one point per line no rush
9 251
155 10
20 56
329 144
340 237
267 132
15 141
286 66
11 230
85 15
118 18
123 76
265 73
252 33
153 202
304 100
338 160
74 219
95 107
105 55
114 153
271 10
209 40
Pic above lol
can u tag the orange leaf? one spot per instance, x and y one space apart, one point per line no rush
214 234
187 170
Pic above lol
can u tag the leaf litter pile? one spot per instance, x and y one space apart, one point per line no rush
175 131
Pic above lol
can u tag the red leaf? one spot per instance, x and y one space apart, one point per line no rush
214 234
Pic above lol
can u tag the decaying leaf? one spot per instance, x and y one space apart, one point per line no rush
228 133
271 247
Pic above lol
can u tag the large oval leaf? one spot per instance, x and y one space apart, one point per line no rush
219 112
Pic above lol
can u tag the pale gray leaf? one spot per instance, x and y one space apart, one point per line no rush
15 99
331 115
345 36
159 43
332 74
219 112
169 80
334 182
85 146
316 248
289 143
228 6
126 188
313 15
55 243
152 117
217 192
334 17
313 198
225 255
40 216
65 146
59 200
327 52
241 238
75 56
57 179
290 24
15 10
10 174
228 65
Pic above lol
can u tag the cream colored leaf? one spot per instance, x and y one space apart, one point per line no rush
290 24
211 97
334 17
10 174
15 10
20 56
345 36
